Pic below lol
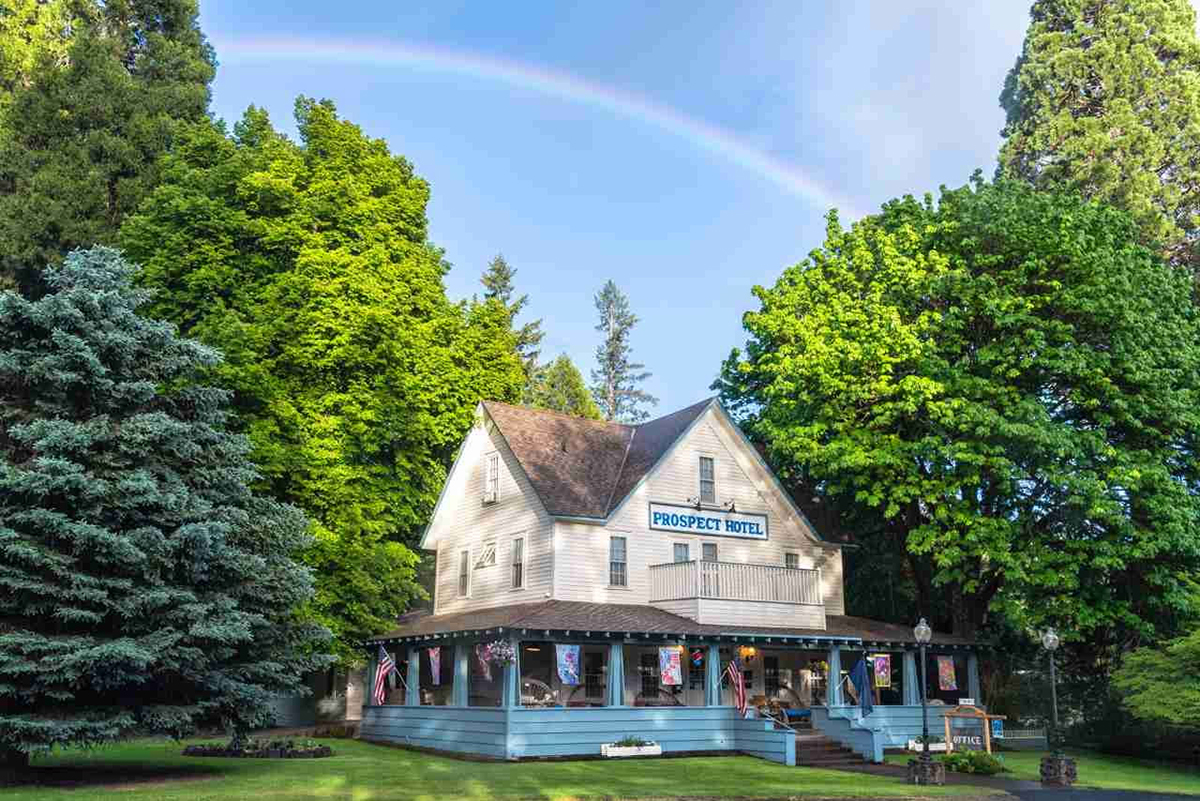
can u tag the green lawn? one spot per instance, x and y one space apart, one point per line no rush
1103 771
365 772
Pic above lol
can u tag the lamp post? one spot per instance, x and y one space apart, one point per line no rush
1057 769
925 770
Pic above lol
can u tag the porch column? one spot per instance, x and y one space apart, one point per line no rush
912 680
458 693
973 677
834 683
712 676
412 697
511 691
616 674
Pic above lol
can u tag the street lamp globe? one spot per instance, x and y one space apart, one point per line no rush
1049 640
924 634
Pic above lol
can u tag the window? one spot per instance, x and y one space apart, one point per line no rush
771 676
648 671
542 686
464 573
518 563
491 487
487 556
709 552
791 560
708 480
617 576
681 552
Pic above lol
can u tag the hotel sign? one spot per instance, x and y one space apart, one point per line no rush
689 520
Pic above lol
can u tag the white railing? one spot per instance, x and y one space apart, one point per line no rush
734 581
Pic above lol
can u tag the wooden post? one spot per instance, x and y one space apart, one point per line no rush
712 676
413 696
616 674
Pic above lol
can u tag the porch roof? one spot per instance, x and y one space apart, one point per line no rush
606 618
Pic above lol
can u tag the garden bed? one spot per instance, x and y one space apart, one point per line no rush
261 749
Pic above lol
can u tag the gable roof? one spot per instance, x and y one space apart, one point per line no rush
585 468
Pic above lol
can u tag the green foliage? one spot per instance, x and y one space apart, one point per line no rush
498 286
1163 684
1105 99
1009 383
308 265
92 127
144 586
31 31
616 379
978 762
559 386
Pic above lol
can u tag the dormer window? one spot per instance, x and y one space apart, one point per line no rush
491 484
708 480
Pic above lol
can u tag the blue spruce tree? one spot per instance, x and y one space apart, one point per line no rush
143 586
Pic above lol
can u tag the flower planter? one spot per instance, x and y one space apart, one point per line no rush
916 747
614 751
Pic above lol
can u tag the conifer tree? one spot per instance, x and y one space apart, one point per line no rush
498 285
143 586
616 381
86 129
1105 100
559 386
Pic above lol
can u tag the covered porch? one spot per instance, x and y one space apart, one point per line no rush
453 700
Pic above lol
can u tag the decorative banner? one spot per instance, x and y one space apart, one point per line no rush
483 667
946 679
669 668
671 517
882 664
435 664
997 729
568 663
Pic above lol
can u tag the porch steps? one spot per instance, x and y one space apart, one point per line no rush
819 751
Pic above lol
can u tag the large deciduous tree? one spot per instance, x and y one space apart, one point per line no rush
1105 99
308 264
1010 385
143 587
559 386
1162 683
617 379
87 127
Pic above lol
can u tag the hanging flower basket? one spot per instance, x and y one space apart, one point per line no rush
499 652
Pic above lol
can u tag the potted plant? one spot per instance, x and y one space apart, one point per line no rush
499 652
630 746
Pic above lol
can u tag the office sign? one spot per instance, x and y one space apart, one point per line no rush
689 520
966 734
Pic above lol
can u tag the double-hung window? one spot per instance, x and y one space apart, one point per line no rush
464 573
791 560
681 552
617 574
491 487
518 563
708 480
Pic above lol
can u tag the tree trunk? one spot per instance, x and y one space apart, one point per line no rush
13 765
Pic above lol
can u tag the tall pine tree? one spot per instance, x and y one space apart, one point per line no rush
559 386
616 381
86 129
143 587
498 285
1105 100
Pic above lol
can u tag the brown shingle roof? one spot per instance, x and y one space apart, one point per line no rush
585 468
604 617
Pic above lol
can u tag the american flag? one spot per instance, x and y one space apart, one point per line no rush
387 666
738 682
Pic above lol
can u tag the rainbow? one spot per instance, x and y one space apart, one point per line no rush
563 86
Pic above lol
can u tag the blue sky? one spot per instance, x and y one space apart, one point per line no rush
688 150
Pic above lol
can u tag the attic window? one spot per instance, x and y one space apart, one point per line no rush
487 556
708 480
491 486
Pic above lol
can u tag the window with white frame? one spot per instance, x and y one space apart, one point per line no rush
487 555
518 563
491 486
464 573
618 576
708 552
681 552
708 480
791 560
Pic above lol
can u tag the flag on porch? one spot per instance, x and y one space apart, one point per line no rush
387 666
737 681
568 663
435 665
946 678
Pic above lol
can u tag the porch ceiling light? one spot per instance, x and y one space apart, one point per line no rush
923 633
1049 640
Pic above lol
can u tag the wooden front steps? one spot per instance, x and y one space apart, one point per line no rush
819 751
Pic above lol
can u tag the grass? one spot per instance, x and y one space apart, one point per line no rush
154 769
1103 771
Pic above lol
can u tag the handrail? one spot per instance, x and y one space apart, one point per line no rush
734 581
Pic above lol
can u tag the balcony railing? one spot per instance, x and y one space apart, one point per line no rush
734 581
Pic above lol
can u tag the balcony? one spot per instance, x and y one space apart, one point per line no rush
739 594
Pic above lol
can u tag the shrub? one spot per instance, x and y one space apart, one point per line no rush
979 762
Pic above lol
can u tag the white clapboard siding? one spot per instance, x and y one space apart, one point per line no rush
465 521
581 550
